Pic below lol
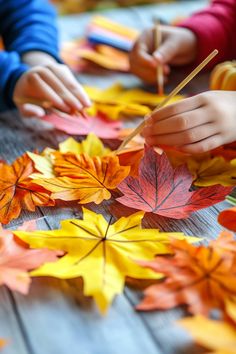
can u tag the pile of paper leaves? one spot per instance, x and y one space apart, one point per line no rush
106 45
88 172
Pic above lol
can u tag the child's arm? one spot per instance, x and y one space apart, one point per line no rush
29 29
189 43
215 28
11 69
195 125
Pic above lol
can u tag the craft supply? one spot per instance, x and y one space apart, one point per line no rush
168 98
160 73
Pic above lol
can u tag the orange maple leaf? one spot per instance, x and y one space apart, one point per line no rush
225 242
17 191
83 178
131 157
200 277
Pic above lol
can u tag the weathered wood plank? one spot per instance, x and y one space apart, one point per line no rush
65 323
10 327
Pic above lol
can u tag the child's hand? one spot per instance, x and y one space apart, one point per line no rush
179 46
53 83
195 125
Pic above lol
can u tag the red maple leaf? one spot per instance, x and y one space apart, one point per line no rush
85 124
162 190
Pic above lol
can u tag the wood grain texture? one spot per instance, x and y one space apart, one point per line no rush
56 318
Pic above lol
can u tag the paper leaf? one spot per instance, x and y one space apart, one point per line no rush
116 101
208 168
211 171
43 163
91 146
83 125
17 191
227 218
218 336
162 190
225 242
84 178
200 277
17 260
131 157
115 60
100 252
227 151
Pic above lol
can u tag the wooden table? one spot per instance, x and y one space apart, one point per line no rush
55 318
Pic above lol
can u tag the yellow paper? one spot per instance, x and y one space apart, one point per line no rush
91 146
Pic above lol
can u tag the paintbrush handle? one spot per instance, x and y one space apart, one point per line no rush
160 73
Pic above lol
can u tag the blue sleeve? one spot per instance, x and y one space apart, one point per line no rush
29 25
11 69
25 25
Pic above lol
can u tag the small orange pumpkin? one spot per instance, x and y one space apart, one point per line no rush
223 76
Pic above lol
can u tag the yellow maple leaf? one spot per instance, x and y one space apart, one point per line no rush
210 171
207 170
91 146
83 178
100 252
218 336
116 101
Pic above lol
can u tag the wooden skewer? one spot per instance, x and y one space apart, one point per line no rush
160 74
168 98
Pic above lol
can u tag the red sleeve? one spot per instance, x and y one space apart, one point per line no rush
215 28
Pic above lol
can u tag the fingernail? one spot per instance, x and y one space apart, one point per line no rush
66 109
87 101
78 106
